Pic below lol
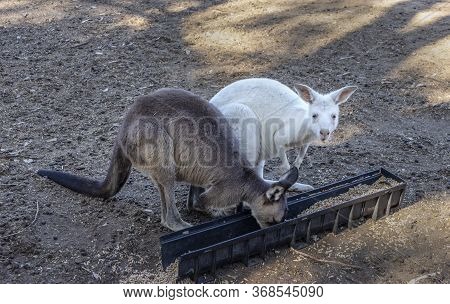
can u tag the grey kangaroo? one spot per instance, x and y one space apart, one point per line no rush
173 135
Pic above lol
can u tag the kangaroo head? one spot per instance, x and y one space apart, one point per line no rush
324 109
270 206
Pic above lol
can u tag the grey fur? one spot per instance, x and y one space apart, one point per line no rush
173 135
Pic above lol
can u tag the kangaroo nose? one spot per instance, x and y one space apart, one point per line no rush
324 132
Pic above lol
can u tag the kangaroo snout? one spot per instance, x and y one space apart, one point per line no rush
324 134
281 218
276 219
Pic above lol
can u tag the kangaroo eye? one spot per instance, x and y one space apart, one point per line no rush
333 116
315 115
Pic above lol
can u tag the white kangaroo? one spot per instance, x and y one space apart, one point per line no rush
269 119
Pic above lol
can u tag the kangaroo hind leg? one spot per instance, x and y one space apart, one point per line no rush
170 217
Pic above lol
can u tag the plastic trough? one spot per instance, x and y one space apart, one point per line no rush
204 248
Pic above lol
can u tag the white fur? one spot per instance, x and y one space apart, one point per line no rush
269 119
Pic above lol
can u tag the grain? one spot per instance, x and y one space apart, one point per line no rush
360 190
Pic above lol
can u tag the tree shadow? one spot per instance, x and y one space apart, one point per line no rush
384 30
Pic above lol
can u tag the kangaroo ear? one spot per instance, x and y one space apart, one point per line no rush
279 188
288 179
305 92
275 192
341 95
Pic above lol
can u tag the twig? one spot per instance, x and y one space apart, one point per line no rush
425 276
435 79
79 44
347 57
20 231
325 261
94 274
8 185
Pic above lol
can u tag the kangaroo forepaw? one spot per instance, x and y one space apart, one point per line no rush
190 203
200 208
194 198
176 225
297 187
284 167
198 205
193 203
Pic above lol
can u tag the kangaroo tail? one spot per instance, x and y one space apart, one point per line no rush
118 173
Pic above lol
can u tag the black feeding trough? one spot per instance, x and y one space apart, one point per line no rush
203 248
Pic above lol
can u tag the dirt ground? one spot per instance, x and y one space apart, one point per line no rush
70 69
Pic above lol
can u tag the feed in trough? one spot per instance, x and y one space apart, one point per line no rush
360 190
